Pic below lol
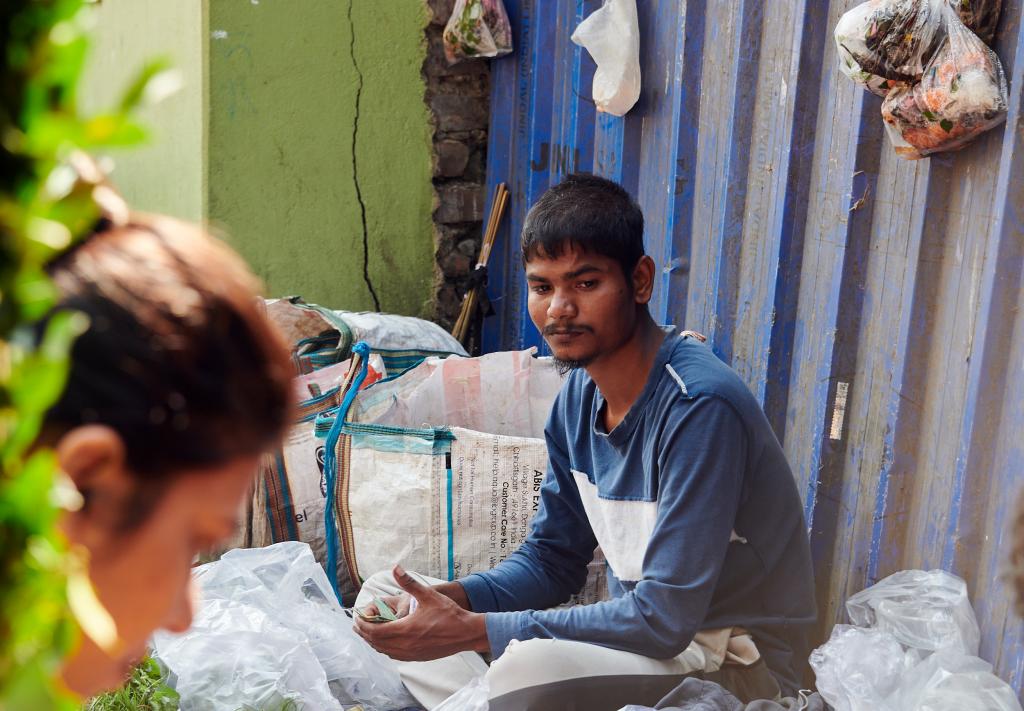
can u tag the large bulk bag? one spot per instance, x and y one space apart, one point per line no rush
439 470
322 337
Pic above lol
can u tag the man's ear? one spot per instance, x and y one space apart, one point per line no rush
643 280
93 457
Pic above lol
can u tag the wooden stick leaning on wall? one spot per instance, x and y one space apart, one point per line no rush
470 301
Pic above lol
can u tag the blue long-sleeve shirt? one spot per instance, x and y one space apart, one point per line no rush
694 506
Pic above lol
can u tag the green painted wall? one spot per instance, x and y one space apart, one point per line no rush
283 125
261 141
166 175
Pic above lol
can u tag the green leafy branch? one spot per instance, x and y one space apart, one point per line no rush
48 200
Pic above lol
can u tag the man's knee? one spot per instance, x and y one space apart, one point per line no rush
549 674
526 663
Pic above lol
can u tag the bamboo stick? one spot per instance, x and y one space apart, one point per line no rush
469 303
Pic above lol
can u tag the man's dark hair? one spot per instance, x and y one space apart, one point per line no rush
591 213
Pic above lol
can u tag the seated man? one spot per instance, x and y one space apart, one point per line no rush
660 455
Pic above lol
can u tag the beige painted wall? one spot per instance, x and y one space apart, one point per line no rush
168 174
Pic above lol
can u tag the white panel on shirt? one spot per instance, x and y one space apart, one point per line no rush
623 528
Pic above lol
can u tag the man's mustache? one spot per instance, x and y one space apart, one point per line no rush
563 328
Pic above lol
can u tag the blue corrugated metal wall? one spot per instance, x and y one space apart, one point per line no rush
872 303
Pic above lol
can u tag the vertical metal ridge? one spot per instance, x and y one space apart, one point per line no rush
834 520
731 48
564 151
732 213
608 135
677 271
664 63
793 218
989 366
891 497
766 250
506 80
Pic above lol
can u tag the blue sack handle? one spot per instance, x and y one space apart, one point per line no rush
362 349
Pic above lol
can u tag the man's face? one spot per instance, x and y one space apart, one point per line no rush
582 304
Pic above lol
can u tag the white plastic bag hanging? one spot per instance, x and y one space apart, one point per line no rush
477 28
612 36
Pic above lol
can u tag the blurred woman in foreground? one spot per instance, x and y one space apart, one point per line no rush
178 385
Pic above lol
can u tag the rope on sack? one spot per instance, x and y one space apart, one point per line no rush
360 350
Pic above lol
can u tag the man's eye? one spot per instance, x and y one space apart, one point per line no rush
540 289
589 284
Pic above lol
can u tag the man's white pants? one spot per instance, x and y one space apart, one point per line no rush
557 668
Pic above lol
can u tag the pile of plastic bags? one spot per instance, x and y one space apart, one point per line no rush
913 646
270 634
942 85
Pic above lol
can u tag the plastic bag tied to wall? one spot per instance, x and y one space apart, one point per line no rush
942 85
892 39
914 649
611 35
961 95
477 28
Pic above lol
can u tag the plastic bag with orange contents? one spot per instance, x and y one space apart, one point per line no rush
962 93
885 42
477 28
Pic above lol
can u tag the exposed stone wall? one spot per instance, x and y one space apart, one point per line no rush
459 101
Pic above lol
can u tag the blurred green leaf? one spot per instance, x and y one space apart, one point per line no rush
43 211
135 95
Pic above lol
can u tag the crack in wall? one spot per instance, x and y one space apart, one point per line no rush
355 164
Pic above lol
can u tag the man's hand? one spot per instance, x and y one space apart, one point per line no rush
437 628
399 604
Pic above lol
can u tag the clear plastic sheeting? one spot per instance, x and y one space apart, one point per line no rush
914 649
858 668
950 681
922 610
471 697
270 632
611 35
